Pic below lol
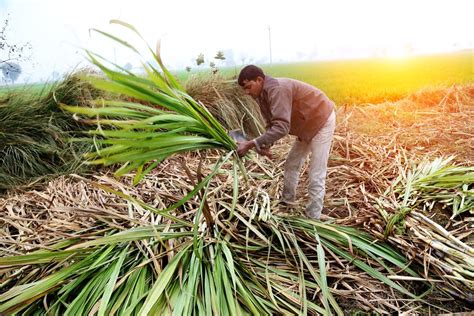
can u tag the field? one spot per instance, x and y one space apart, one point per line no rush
378 80
359 81
173 222
36 88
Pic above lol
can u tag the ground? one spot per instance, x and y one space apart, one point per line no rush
371 144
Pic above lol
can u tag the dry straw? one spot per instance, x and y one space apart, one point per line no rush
103 246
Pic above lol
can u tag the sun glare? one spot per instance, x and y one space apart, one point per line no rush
397 52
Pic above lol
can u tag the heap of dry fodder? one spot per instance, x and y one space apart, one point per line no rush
364 163
227 102
76 207
377 148
432 121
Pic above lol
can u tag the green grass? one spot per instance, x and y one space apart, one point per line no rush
38 89
375 80
363 80
35 132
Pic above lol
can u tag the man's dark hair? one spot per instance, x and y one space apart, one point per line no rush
250 72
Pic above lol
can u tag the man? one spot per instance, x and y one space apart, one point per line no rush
293 107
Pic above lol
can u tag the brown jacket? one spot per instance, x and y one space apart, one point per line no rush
291 107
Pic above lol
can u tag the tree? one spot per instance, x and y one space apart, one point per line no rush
10 71
214 69
188 69
219 58
220 55
12 52
200 59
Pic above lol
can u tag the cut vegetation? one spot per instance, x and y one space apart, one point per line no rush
191 229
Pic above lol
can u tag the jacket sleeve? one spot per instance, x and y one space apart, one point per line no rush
280 100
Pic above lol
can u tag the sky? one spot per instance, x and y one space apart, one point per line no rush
59 30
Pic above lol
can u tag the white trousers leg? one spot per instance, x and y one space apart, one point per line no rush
319 147
296 157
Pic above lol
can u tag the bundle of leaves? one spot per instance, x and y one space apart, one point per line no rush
250 262
402 189
35 132
230 255
410 207
227 103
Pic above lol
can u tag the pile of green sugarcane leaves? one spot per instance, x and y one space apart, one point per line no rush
232 260
420 193
252 263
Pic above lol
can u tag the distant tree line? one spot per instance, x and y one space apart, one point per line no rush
219 57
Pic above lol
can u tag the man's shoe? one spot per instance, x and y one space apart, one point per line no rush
317 215
313 214
289 204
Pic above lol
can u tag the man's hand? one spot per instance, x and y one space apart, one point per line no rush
244 147
264 152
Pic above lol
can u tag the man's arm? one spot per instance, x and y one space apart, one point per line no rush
280 99
280 104
244 147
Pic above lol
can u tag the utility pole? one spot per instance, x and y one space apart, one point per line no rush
270 43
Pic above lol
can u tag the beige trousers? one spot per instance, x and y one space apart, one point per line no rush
319 147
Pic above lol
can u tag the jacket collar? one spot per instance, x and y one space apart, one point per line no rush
267 84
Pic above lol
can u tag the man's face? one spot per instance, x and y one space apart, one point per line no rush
253 88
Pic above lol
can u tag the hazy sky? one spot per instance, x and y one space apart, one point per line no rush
300 29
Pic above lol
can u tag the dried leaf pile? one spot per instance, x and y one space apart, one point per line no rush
366 188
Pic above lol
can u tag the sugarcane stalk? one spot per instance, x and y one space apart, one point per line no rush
444 232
